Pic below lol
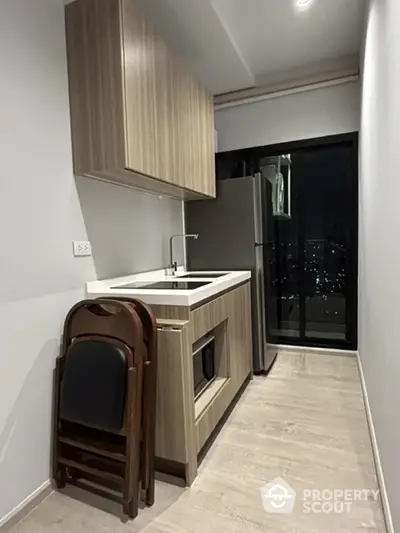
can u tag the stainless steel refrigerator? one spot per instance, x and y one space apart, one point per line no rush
233 233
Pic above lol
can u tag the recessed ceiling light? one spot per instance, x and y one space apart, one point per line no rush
303 4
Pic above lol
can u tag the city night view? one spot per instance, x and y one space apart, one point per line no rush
309 252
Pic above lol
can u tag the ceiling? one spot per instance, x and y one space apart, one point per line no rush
236 44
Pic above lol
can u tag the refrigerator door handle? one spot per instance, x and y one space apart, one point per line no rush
261 310
257 201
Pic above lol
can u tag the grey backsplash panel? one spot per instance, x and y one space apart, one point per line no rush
129 230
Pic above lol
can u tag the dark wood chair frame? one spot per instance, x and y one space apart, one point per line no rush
130 326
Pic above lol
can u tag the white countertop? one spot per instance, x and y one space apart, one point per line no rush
96 289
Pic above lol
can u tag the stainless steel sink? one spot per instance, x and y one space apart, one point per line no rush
200 275
165 285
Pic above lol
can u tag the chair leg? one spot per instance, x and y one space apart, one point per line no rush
59 470
131 509
150 492
149 405
60 476
146 471
150 489
150 434
133 492
144 467
133 441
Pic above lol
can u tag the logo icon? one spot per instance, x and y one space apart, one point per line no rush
278 497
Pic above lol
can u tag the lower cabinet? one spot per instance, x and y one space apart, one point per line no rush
186 415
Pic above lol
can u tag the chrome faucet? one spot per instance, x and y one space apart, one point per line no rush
174 264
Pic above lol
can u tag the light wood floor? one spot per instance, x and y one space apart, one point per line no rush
305 422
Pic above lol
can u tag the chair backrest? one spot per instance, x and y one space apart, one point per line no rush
105 318
149 324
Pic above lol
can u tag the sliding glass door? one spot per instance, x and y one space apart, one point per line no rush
326 234
313 252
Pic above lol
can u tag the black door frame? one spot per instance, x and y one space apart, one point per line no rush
251 157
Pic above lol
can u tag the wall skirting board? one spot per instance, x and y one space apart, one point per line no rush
375 450
25 507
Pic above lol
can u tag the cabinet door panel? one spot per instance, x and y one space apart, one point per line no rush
164 153
95 81
209 141
182 125
140 82
205 174
175 139
192 132
196 136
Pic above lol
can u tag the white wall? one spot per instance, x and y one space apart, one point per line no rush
42 209
316 113
379 282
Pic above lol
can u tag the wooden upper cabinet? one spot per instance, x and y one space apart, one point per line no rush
138 116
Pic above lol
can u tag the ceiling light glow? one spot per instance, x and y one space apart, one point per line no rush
303 4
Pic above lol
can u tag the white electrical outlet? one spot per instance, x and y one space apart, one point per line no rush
82 248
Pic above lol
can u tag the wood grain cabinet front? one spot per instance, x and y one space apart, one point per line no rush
185 421
138 116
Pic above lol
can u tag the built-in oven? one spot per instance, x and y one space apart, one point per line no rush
203 364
